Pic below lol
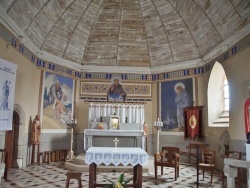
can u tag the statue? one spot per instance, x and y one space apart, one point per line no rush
247 117
36 130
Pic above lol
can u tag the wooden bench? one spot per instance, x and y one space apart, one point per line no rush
47 157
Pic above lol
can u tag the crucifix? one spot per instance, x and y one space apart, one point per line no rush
116 141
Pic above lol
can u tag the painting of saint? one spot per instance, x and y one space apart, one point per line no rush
6 93
116 92
175 96
57 101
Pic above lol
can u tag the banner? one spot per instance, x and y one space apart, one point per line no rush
7 93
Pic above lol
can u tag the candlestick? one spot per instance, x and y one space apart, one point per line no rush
71 124
158 125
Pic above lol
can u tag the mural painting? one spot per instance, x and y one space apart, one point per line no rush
57 101
116 92
175 95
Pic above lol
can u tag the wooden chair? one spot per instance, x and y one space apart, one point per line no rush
169 157
208 161
232 155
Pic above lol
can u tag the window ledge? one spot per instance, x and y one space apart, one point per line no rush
222 121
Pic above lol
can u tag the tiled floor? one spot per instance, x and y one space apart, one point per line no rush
53 175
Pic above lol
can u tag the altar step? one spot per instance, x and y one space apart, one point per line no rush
79 165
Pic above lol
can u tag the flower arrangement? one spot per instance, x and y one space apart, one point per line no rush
119 184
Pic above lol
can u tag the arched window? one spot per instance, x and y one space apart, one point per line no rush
226 95
218 97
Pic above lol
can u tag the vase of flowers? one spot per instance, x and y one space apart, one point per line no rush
121 183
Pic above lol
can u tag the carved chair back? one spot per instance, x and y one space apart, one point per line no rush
208 157
169 154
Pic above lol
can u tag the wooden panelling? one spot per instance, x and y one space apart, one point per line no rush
138 33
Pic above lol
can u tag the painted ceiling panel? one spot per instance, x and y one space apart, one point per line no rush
136 33
243 9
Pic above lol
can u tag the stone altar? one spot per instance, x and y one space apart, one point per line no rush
105 137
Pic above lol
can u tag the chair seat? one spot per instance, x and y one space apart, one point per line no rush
160 163
206 165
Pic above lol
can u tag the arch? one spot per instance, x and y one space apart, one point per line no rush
19 119
224 141
19 110
217 117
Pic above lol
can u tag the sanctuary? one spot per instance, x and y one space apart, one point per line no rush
180 66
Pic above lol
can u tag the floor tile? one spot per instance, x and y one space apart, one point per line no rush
53 175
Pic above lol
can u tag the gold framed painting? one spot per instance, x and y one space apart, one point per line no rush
114 122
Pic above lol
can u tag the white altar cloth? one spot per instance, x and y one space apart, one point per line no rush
124 156
90 133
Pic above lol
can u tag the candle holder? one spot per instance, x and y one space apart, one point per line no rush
71 125
126 119
101 119
158 125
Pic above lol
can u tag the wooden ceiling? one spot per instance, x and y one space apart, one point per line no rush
130 33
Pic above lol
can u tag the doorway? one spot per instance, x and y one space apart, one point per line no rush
11 140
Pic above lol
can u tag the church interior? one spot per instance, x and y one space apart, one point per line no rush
161 78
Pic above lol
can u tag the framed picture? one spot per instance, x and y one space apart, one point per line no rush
174 96
114 122
116 92
57 107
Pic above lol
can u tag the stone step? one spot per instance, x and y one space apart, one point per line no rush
80 159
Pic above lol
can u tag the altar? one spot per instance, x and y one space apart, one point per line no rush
105 137
122 156
108 121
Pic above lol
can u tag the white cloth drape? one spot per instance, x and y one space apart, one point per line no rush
134 112
124 156
7 93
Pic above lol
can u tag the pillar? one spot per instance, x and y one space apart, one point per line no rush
248 159
231 173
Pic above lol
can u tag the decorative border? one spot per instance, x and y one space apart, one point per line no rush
101 88
14 42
